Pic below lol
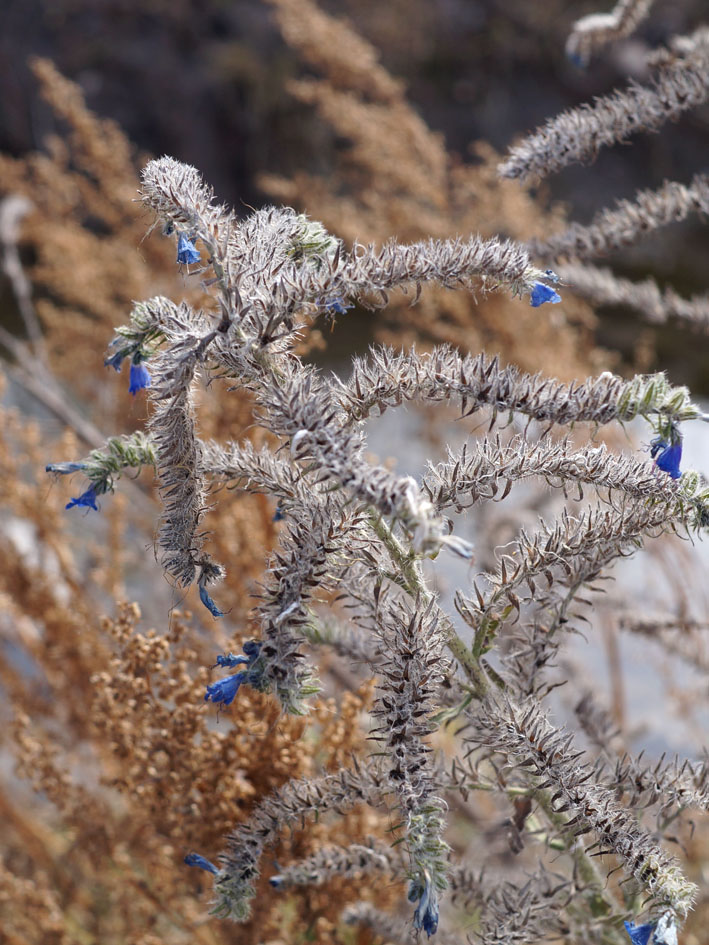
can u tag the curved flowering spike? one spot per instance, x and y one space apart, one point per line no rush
186 252
139 378
639 934
86 499
194 859
543 293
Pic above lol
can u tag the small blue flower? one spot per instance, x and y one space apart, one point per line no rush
252 648
64 468
194 859
87 499
576 59
426 914
139 378
116 360
224 691
338 306
276 881
543 293
639 934
230 661
668 456
278 514
186 252
209 603
551 276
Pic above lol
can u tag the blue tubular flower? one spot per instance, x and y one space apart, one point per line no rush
87 499
139 378
252 648
426 914
230 660
209 603
543 293
668 455
116 360
64 468
186 252
639 934
338 306
224 691
194 859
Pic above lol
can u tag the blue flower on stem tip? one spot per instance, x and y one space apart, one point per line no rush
668 454
639 934
139 377
278 514
186 252
194 859
543 293
209 603
426 914
87 499
230 661
224 691
338 306
116 360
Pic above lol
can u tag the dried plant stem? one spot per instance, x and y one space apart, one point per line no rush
577 135
656 305
628 222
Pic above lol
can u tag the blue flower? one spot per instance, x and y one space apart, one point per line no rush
426 914
230 660
252 648
139 378
639 934
116 360
338 305
64 468
194 859
87 499
668 456
278 514
186 252
224 691
209 603
543 293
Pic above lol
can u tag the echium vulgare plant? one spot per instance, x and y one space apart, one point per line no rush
358 533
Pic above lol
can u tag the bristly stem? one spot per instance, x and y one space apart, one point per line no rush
416 586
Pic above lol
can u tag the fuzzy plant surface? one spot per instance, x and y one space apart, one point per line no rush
349 574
